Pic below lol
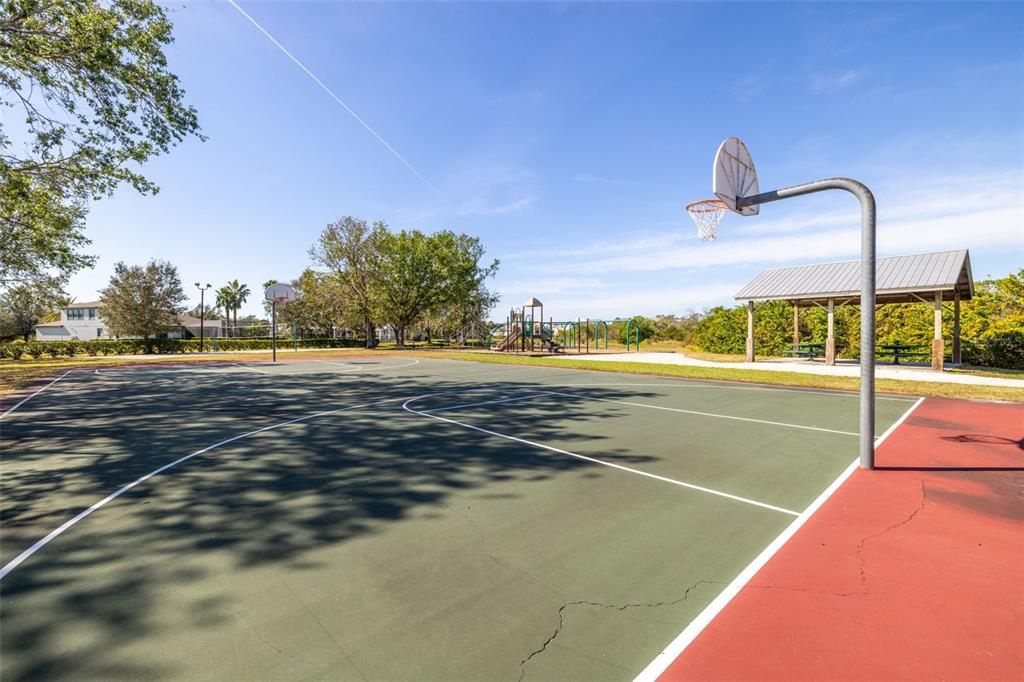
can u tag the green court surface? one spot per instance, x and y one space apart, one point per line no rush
391 519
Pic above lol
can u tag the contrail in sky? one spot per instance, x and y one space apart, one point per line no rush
336 98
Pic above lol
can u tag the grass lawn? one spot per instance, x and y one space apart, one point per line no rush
912 388
989 372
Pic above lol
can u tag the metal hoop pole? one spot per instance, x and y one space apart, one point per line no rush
273 332
867 293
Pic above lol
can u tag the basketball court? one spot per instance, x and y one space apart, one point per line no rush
393 517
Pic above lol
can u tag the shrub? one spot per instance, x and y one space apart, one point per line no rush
13 350
35 349
1004 349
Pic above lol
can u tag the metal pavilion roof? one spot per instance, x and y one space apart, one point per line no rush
899 278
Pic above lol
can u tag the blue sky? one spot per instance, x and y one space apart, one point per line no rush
569 136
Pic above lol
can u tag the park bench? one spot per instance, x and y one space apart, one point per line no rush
807 350
902 350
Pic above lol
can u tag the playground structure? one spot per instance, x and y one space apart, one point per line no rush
526 331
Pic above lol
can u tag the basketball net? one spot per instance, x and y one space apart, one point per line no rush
708 214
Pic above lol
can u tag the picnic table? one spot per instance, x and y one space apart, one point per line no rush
902 350
807 350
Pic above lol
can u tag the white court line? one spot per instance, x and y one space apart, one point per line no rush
415 361
594 460
351 368
684 382
676 647
251 369
486 402
16 561
705 414
28 398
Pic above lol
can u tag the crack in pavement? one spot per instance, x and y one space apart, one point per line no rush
259 636
622 607
864 541
617 607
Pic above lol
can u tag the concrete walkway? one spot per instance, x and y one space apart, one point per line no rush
902 373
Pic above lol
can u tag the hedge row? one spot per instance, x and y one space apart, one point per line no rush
1003 349
67 349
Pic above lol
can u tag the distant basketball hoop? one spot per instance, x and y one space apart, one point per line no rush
274 294
279 293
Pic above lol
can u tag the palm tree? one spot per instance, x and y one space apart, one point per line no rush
239 295
225 301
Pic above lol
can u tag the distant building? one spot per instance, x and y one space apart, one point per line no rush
84 321
77 321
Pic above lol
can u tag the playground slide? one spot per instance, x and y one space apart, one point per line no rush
549 343
508 342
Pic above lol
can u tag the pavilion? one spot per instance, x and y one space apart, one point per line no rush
921 278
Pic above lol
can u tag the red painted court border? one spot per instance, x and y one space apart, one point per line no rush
902 574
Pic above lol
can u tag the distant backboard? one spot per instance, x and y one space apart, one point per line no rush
279 293
734 175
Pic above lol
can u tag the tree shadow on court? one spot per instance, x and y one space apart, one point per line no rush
145 568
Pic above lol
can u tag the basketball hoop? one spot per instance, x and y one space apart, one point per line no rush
708 214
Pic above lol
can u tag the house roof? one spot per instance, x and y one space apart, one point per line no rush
189 321
86 304
898 279
55 323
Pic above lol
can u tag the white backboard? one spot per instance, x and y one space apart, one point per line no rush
733 175
281 293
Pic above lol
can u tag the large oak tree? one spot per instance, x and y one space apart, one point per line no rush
91 100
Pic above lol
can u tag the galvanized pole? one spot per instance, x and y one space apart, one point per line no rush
273 330
867 293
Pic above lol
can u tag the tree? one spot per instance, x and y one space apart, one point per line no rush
267 306
723 330
24 306
409 279
206 311
349 248
464 297
142 300
417 274
95 100
644 325
223 300
321 301
238 294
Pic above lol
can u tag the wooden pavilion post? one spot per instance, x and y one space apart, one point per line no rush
830 340
796 324
938 347
750 331
956 327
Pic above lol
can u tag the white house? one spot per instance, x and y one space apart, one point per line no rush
84 321
77 321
